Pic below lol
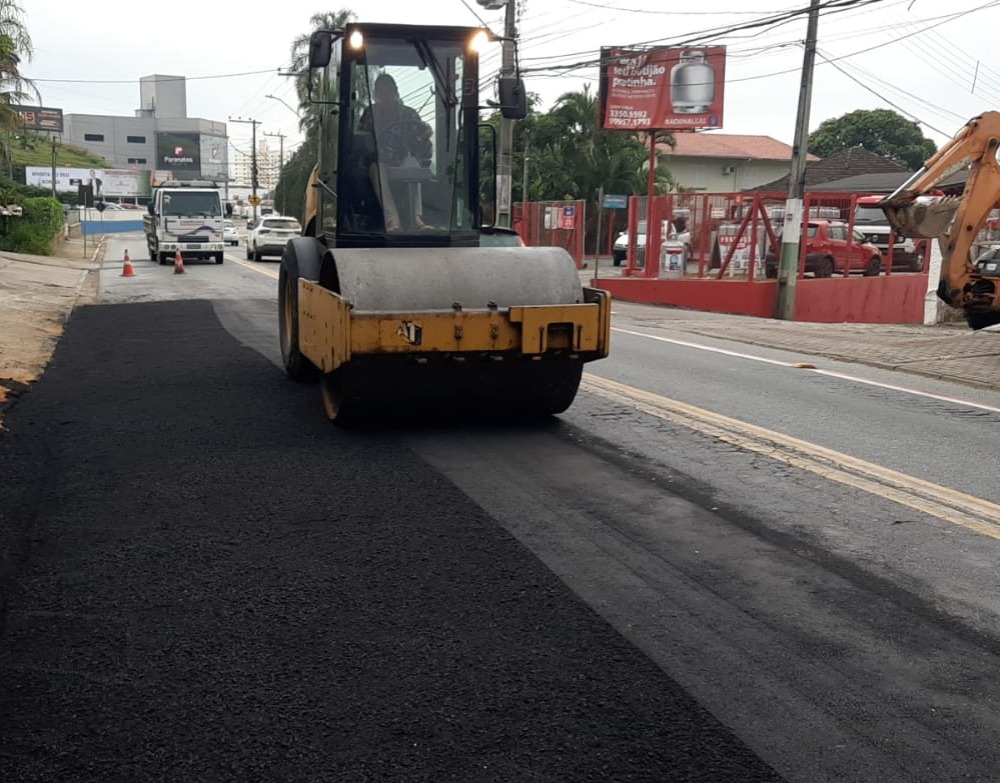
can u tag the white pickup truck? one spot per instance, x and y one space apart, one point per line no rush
186 216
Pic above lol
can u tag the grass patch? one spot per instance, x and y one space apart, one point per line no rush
33 149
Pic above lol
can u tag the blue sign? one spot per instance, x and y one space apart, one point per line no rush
615 202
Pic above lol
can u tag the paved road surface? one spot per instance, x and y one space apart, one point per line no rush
214 570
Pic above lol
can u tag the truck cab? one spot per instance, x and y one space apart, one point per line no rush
907 254
186 217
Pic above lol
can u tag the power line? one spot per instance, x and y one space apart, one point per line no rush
831 7
880 96
941 20
167 79
672 13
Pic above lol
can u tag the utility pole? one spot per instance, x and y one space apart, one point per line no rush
53 166
506 126
253 161
281 164
524 184
788 269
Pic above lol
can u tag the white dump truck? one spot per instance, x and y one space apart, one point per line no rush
186 216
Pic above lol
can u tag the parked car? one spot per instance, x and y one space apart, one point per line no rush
907 254
496 236
988 263
828 251
269 236
229 233
619 250
681 232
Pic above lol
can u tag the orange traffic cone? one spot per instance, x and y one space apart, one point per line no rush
178 263
127 270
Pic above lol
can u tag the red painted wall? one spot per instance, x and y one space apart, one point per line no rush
896 299
893 299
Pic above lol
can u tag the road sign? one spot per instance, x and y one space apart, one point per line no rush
254 200
614 202
567 217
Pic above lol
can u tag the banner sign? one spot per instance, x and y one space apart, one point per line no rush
105 182
672 89
40 118
179 152
214 161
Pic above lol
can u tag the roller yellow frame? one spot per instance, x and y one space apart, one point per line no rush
331 332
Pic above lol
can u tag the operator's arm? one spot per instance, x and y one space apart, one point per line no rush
420 142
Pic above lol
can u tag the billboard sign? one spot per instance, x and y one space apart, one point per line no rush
213 156
672 89
40 118
179 152
105 182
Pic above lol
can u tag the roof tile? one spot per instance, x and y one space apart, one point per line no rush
848 163
731 145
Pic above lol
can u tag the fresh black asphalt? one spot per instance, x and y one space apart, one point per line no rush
202 579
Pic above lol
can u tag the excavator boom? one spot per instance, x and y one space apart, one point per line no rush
956 221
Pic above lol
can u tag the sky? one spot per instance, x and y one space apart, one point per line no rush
926 59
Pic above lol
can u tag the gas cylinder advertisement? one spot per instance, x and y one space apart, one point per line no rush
679 88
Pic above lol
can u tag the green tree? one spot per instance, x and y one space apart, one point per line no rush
15 49
294 177
571 157
881 131
330 20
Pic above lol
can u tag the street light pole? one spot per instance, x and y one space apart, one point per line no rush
285 103
788 269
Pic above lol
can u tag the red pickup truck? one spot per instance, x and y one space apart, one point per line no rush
828 251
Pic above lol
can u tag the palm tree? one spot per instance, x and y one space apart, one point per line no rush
15 48
300 62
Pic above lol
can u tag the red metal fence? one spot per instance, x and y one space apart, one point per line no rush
552 224
737 235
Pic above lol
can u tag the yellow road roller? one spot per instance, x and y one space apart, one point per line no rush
391 298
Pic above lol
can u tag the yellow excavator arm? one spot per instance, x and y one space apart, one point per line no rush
956 221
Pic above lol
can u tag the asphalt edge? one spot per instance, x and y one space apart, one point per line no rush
90 280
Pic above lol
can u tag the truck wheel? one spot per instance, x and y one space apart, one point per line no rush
220 257
256 255
874 267
249 254
161 259
297 366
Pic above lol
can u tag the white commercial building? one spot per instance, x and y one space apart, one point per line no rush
160 137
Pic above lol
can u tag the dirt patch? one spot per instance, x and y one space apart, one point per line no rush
37 295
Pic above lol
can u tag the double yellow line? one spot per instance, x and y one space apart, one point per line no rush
255 267
947 504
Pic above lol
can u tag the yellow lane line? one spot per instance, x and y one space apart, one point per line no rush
946 504
255 267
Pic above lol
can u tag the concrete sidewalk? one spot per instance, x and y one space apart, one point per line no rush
37 295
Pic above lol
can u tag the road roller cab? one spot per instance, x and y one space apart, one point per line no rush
388 296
